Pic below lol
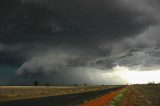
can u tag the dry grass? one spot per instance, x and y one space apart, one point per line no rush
142 95
151 94
8 93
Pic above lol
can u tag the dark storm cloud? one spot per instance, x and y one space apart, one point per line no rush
142 59
84 24
49 36
10 59
70 21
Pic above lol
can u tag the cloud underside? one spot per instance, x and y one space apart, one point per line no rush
59 36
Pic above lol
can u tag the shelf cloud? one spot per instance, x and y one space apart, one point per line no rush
59 37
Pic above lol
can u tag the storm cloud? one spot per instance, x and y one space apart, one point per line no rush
71 21
59 36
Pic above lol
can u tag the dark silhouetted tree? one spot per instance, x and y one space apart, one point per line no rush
35 83
75 84
85 84
47 84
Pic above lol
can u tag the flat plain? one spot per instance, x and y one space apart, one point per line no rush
10 93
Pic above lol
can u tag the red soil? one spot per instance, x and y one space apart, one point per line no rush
103 100
133 98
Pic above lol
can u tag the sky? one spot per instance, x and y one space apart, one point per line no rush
79 41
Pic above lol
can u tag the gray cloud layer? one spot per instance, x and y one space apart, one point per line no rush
71 21
58 35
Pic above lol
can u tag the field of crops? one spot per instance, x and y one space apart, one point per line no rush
8 93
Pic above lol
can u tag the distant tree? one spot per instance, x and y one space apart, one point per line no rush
47 84
151 83
85 84
75 84
35 83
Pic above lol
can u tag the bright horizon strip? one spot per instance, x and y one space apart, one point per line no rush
138 77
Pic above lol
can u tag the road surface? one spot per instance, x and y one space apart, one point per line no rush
62 100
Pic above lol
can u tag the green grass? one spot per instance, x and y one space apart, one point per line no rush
117 100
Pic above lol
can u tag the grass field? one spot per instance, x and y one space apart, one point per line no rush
8 93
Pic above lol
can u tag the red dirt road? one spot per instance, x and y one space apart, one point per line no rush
103 100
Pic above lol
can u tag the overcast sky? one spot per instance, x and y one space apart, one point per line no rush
77 41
